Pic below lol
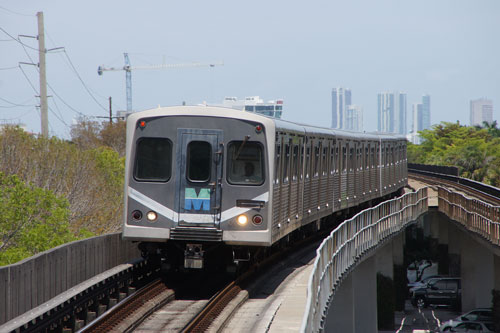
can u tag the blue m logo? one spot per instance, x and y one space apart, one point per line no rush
197 202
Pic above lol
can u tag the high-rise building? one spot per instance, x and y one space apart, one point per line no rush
426 112
354 118
392 112
341 99
255 104
481 110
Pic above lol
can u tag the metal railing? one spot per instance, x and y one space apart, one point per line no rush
340 252
35 280
475 215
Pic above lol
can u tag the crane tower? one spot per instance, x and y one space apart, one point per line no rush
128 72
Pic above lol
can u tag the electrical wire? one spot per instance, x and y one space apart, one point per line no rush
17 40
31 84
13 105
7 68
13 12
17 118
83 83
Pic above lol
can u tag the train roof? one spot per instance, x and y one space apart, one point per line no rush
279 124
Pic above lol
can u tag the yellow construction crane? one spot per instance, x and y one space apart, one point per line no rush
128 72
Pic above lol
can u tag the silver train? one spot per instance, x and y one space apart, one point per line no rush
208 186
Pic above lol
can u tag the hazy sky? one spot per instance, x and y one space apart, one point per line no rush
294 50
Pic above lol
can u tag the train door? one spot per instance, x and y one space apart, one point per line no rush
199 177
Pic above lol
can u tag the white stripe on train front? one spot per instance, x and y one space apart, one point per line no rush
170 214
235 211
148 202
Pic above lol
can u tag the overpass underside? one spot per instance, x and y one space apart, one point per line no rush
464 232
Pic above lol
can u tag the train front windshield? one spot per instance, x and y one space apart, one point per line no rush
245 163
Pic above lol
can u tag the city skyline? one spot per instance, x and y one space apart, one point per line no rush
291 57
481 110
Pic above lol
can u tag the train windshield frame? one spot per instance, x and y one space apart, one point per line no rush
245 163
153 160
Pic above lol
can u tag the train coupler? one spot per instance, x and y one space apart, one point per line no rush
193 256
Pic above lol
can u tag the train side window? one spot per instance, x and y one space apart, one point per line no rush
373 157
367 158
308 161
332 160
295 162
317 160
337 160
351 159
153 159
344 159
324 169
198 161
277 164
286 163
245 163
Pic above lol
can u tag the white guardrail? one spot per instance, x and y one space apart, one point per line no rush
339 252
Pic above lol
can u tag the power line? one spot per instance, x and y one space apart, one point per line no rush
31 84
83 83
17 40
13 12
17 118
7 68
14 104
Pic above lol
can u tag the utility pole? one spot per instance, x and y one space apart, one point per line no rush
110 112
43 76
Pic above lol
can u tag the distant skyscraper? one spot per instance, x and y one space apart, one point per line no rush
421 115
426 112
341 99
354 118
481 110
392 112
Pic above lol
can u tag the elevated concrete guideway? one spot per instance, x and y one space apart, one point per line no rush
341 285
472 240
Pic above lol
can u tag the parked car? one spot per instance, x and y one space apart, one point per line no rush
422 283
472 326
481 315
441 291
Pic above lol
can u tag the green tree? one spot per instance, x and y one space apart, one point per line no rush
32 220
474 150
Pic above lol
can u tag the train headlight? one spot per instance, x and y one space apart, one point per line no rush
152 216
242 220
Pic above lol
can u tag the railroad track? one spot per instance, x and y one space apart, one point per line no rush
454 182
184 310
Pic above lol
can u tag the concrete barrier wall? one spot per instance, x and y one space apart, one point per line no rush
33 281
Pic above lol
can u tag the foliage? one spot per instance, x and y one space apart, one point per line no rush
86 174
33 220
88 134
474 150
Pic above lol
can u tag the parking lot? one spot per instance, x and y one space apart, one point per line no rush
421 319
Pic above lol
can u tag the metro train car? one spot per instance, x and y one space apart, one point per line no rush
208 186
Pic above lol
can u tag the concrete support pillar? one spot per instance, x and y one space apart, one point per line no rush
443 230
340 316
433 220
398 249
364 283
354 306
496 262
478 274
454 250
384 261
